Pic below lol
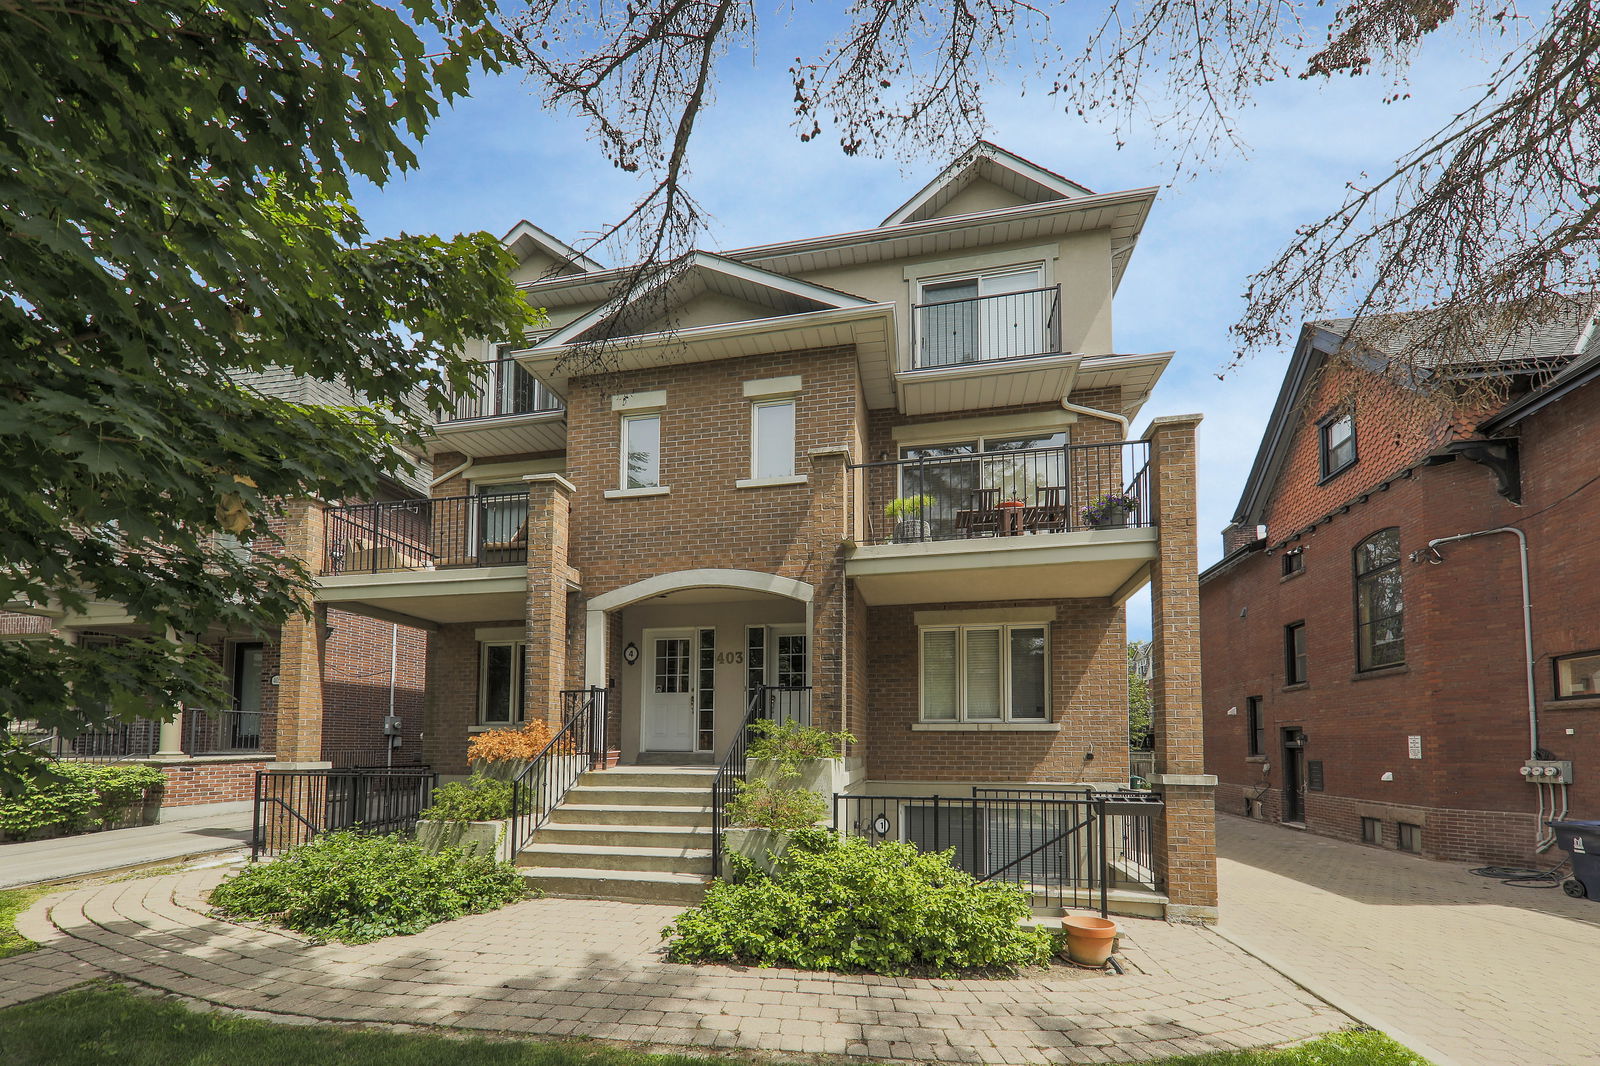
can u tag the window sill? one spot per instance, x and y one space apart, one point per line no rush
985 727
1292 575
1298 686
1380 671
1330 475
1255 758
628 494
766 482
1571 703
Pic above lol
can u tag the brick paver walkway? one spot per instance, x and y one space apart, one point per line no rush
1463 968
570 967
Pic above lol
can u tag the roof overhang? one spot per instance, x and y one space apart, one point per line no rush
991 163
542 431
428 598
984 385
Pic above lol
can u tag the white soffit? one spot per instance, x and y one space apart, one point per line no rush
981 386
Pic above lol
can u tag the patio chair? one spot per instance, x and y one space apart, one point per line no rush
982 516
1050 514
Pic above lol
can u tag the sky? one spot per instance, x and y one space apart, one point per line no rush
501 156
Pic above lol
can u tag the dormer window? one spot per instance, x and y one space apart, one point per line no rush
1337 434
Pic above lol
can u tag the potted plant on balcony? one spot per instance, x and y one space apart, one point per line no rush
906 514
1110 511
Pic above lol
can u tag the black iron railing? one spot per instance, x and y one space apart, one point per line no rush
982 329
1066 848
115 742
507 389
293 806
228 732
431 534
579 745
1004 492
770 703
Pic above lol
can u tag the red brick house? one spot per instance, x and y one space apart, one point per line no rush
1368 671
859 468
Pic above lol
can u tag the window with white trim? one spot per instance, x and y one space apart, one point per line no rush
641 451
772 438
985 673
500 673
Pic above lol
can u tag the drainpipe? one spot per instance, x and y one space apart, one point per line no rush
1092 412
1527 621
447 475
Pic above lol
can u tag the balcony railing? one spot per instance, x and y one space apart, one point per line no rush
434 534
507 389
228 732
983 329
1007 493
205 732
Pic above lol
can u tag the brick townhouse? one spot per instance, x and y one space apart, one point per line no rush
859 471
365 670
1368 671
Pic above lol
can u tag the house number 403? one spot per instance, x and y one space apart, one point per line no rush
730 657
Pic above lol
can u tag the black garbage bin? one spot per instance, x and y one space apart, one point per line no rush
1582 841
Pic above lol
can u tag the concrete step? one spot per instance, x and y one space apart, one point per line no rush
650 777
640 796
629 814
673 860
625 836
628 886
1127 902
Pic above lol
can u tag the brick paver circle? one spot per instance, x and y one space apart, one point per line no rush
556 967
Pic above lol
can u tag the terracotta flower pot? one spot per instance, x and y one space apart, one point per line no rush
1089 939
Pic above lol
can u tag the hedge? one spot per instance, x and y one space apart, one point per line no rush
74 797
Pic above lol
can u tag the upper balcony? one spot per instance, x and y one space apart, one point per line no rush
436 560
954 524
973 348
510 413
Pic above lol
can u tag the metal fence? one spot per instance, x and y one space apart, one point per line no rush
981 329
1065 848
507 389
116 742
293 806
453 531
1007 492
579 745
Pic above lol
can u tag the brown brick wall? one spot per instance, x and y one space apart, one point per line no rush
190 784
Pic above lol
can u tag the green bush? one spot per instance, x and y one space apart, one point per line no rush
791 743
850 905
354 888
75 797
477 799
765 804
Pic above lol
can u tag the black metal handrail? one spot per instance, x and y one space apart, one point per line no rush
1065 847
983 329
426 534
579 745
507 390
229 731
1008 492
771 703
293 806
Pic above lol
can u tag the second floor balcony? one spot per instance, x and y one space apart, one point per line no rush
432 534
956 523
509 412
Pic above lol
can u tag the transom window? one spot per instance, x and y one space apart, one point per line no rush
1578 676
985 673
772 438
1380 608
1338 443
641 451
500 674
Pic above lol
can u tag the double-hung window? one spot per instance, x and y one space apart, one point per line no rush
772 438
985 673
1294 653
641 450
1337 443
500 673
1380 607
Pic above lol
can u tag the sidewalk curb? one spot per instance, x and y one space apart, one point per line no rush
1307 982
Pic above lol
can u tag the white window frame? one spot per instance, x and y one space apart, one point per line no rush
518 680
1005 629
791 402
979 276
623 435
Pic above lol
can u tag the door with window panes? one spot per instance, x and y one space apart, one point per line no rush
974 320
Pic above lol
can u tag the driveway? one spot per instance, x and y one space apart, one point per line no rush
1466 970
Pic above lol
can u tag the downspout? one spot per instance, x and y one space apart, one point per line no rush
1527 622
1075 408
447 475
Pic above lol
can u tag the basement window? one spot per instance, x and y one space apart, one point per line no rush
1578 676
1408 837
1371 831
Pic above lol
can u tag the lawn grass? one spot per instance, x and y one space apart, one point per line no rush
13 901
100 1023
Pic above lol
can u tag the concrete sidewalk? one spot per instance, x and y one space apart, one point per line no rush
1464 969
180 833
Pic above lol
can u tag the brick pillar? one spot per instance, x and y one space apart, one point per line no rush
829 523
1185 833
301 645
549 575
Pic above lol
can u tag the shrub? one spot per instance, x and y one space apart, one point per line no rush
766 804
74 797
477 799
791 743
354 888
849 905
502 745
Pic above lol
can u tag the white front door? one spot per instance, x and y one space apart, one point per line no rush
669 690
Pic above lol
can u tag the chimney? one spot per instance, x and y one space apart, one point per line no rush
1236 536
